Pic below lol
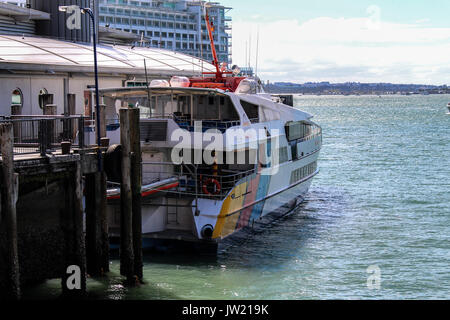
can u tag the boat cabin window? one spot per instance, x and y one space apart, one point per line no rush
252 111
214 111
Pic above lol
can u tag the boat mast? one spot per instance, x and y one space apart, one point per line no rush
213 47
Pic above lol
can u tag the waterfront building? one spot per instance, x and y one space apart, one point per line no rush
176 25
38 56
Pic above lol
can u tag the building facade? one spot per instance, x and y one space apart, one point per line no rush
35 60
176 25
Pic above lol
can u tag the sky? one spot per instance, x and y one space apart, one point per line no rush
398 41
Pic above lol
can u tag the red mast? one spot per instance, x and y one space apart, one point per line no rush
213 47
219 82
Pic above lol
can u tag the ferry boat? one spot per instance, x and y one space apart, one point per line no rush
219 155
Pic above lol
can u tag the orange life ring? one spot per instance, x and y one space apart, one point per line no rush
209 182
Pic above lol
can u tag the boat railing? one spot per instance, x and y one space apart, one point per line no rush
315 132
188 123
195 181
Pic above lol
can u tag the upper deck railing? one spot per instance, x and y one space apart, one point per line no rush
186 122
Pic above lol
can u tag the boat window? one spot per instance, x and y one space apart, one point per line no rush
214 111
267 115
252 110
283 154
298 130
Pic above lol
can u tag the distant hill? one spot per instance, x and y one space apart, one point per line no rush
349 88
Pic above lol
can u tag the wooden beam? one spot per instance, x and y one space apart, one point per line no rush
126 210
9 194
73 280
136 186
97 241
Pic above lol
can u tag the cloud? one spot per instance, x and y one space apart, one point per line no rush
330 49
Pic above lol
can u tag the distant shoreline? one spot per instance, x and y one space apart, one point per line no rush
354 88
356 95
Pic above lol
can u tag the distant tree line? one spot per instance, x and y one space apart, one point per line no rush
354 88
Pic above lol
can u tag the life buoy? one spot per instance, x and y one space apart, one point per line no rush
209 182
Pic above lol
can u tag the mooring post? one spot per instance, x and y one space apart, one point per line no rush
136 186
71 108
68 126
50 110
130 192
73 280
9 194
16 110
102 115
97 241
126 199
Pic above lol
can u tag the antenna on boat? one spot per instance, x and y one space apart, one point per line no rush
148 89
249 49
257 52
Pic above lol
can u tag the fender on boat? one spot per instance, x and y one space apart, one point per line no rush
149 190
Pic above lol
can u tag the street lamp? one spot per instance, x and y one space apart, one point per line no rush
97 97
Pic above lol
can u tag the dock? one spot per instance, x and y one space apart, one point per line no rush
53 220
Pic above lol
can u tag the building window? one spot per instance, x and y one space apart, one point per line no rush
17 98
42 92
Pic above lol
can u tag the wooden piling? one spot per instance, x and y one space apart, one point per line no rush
136 186
131 215
16 110
69 128
73 280
97 240
102 110
50 110
71 104
45 99
126 200
9 194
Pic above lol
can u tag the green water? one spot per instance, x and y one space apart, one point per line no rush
382 198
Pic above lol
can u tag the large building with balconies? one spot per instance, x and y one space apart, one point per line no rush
177 25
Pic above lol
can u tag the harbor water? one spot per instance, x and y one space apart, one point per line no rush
381 202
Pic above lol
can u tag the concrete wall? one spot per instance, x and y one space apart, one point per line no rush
31 85
39 229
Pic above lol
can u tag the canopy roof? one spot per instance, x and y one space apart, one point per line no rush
139 92
45 54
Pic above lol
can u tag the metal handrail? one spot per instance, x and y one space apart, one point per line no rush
39 134
191 183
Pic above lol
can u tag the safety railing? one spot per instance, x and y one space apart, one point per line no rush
194 181
186 122
44 134
314 132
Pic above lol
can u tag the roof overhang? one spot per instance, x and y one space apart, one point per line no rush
52 56
112 33
51 69
22 14
139 92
